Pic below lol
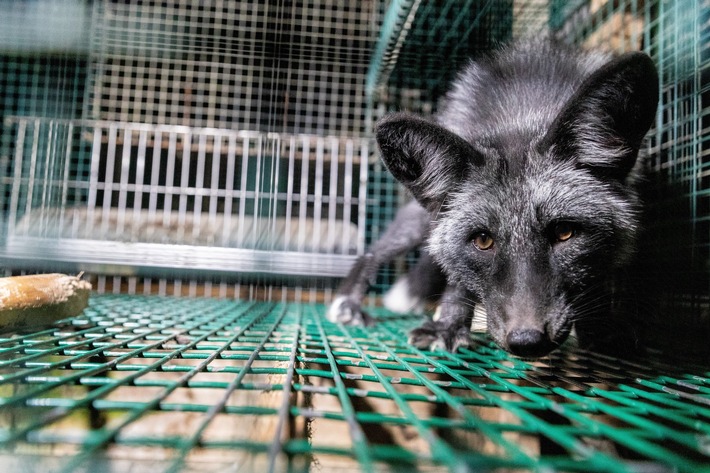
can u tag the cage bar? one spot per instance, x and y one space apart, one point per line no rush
211 169
304 384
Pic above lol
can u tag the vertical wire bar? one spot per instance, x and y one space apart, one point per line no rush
199 184
214 182
170 176
101 284
46 176
333 195
662 106
154 189
116 285
177 288
56 183
318 198
184 184
362 198
696 127
139 185
321 121
259 146
33 167
229 189
289 192
347 196
274 192
636 32
64 199
132 285
303 195
123 180
108 178
147 286
162 287
243 190
17 181
246 85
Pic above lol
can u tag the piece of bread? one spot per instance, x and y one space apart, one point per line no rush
30 302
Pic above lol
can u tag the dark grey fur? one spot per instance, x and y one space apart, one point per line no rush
534 140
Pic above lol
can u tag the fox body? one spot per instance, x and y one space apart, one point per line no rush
524 195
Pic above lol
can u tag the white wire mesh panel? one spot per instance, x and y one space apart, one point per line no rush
161 196
215 136
287 66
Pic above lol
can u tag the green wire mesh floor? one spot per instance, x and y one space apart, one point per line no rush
145 383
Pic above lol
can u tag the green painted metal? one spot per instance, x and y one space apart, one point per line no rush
421 45
179 384
309 392
393 32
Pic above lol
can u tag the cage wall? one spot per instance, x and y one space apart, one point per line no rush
222 143
675 163
224 149
181 133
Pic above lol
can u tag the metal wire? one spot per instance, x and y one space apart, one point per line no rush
191 142
185 199
287 67
304 383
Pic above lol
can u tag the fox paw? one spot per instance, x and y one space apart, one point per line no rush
348 312
434 335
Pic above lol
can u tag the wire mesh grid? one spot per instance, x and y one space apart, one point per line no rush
422 45
675 35
224 126
292 67
42 58
146 383
177 383
275 44
159 196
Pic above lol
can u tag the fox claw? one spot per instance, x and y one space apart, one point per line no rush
433 335
348 312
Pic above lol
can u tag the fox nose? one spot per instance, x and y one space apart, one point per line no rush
528 343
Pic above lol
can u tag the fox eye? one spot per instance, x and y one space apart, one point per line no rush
563 231
483 241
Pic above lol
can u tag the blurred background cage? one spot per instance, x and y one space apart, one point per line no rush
224 149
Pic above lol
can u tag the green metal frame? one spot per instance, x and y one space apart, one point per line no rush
84 383
276 387
421 45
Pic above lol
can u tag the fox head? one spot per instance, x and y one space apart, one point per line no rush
532 221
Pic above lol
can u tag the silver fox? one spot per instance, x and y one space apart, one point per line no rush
525 198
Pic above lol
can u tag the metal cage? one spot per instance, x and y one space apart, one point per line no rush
222 150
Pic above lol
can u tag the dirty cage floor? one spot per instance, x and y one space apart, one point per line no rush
149 383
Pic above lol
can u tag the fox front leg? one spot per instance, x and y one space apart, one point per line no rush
346 308
407 231
453 327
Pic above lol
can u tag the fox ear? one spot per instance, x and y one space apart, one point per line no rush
427 158
603 124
